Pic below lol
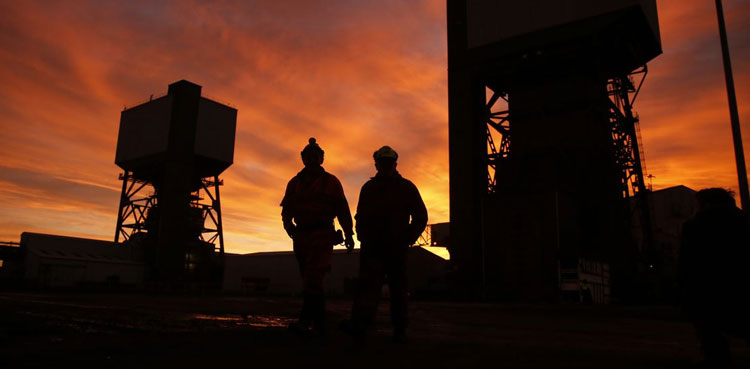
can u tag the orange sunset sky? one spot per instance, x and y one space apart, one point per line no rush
354 74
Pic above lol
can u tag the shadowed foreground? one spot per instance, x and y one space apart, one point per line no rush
130 331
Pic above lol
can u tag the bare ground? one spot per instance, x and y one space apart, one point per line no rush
49 330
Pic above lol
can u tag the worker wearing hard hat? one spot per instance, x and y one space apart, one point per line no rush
390 217
312 200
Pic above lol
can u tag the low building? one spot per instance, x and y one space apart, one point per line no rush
59 261
589 281
52 261
669 209
277 273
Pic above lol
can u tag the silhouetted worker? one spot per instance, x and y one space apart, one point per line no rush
390 217
714 274
313 199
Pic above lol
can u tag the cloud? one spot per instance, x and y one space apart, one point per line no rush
355 75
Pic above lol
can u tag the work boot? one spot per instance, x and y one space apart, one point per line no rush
301 327
304 324
318 313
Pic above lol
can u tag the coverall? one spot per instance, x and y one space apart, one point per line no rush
312 199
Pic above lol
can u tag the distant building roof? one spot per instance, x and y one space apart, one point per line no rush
75 248
675 188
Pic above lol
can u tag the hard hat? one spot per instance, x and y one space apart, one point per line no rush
385 152
312 145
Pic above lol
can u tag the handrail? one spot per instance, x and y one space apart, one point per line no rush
141 102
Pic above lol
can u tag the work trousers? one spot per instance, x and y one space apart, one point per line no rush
313 250
379 262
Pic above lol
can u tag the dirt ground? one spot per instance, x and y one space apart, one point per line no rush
136 331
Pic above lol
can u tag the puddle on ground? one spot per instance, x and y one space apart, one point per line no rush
176 322
220 318
257 321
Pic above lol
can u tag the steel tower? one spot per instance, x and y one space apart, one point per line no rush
543 145
172 150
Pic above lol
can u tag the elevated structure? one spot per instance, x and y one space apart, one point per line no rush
172 150
543 139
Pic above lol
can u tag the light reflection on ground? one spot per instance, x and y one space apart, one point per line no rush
257 321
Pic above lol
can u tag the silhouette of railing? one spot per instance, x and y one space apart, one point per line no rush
151 98
208 97
625 130
640 145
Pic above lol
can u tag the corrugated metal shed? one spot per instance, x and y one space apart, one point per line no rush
60 261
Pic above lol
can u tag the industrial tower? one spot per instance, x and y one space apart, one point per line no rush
172 150
544 153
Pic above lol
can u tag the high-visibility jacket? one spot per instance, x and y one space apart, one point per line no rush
313 199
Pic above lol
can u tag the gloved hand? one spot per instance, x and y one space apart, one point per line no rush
349 243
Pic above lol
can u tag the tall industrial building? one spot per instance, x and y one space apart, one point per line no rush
543 141
172 150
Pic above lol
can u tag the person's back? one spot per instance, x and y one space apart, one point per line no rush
714 258
713 272
390 217
384 212
313 198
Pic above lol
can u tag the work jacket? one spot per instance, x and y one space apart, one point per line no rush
390 210
713 264
312 199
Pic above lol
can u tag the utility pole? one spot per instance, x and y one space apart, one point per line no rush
734 115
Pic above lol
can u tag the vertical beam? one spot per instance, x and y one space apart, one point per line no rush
217 207
739 153
467 147
123 199
177 183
